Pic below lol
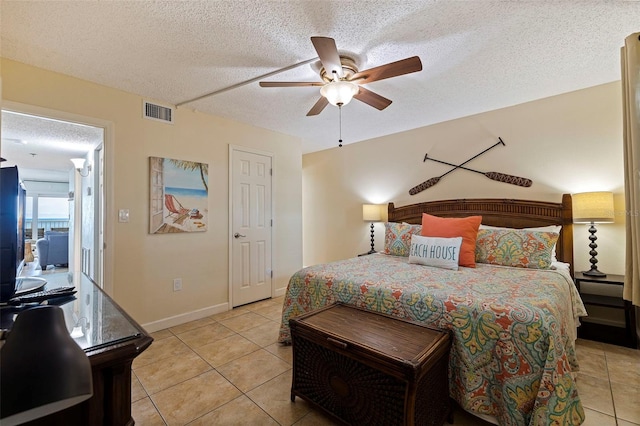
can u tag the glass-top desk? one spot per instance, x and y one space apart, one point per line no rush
110 338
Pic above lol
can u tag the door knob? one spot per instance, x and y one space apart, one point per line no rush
238 235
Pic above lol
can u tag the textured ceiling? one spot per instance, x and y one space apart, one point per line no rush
476 55
42 147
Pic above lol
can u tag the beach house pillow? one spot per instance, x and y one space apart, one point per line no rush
515 247
549 228
435 251
465 227
397 238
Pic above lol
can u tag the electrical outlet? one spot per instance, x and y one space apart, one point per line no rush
177 284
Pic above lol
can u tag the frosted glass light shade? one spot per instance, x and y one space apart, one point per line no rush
596 207
78 163
339 92
371 212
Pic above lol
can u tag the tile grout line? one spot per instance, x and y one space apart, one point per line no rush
613 401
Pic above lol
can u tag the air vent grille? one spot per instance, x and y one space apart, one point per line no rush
157 112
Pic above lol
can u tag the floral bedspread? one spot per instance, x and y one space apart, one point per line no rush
514 329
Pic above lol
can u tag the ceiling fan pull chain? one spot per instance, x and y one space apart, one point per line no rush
340 140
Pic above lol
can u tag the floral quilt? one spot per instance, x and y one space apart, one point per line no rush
514 329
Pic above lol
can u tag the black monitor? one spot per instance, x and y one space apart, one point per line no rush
12 230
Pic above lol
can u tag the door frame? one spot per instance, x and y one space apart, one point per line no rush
232 150
107 147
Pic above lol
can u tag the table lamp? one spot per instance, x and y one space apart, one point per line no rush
592 208
42 369
372 213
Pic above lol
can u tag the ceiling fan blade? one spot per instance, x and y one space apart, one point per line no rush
318 107
373 99
328 54
393 69
290 83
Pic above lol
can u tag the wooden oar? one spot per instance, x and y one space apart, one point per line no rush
429 183
500 177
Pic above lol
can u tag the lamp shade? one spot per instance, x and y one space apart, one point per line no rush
371 212
596 207
42 369
78 163
339 92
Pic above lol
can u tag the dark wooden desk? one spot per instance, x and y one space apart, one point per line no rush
110 338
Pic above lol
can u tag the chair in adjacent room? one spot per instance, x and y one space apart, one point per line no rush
53 249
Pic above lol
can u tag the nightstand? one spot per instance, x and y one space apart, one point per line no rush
603 307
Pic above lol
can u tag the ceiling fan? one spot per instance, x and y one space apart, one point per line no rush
341 79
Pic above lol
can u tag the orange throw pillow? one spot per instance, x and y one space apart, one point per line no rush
465 227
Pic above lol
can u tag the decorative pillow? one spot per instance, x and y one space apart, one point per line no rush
435 251
465 227
550 228
397 238
515 247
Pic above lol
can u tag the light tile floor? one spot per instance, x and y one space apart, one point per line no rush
33 269
228 369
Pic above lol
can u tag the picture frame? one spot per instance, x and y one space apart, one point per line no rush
178 196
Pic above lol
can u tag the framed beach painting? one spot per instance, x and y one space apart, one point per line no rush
178 196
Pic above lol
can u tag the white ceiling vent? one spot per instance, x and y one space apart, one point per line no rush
157 112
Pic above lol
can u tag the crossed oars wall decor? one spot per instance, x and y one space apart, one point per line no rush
499 177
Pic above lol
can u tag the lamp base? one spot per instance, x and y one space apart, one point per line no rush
372 245
594 273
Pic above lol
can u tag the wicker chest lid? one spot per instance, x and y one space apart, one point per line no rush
388 337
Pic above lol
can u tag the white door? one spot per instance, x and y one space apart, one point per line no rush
250 226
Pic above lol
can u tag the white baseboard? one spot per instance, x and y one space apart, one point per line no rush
184 318
280 291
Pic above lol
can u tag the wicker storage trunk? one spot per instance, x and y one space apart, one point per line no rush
367 368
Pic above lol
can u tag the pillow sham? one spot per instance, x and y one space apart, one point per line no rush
435 251
465 227
397 238
515 247
549 228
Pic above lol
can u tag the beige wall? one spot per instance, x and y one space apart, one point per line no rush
144 265
566 144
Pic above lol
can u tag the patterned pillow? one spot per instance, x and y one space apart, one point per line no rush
397 238
515 247
549 228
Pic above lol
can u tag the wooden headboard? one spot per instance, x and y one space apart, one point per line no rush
500 212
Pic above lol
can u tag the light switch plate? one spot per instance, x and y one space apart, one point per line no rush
123 215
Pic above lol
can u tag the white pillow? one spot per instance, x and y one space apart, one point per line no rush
435 251
550 228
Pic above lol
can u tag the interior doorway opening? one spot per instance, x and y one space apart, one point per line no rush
41 144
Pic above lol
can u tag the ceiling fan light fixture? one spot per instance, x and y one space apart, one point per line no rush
339 92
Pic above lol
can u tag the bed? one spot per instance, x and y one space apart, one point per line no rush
512 360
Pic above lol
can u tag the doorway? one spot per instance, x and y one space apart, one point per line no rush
41 142
251 225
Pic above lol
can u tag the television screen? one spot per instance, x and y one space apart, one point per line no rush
12 230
